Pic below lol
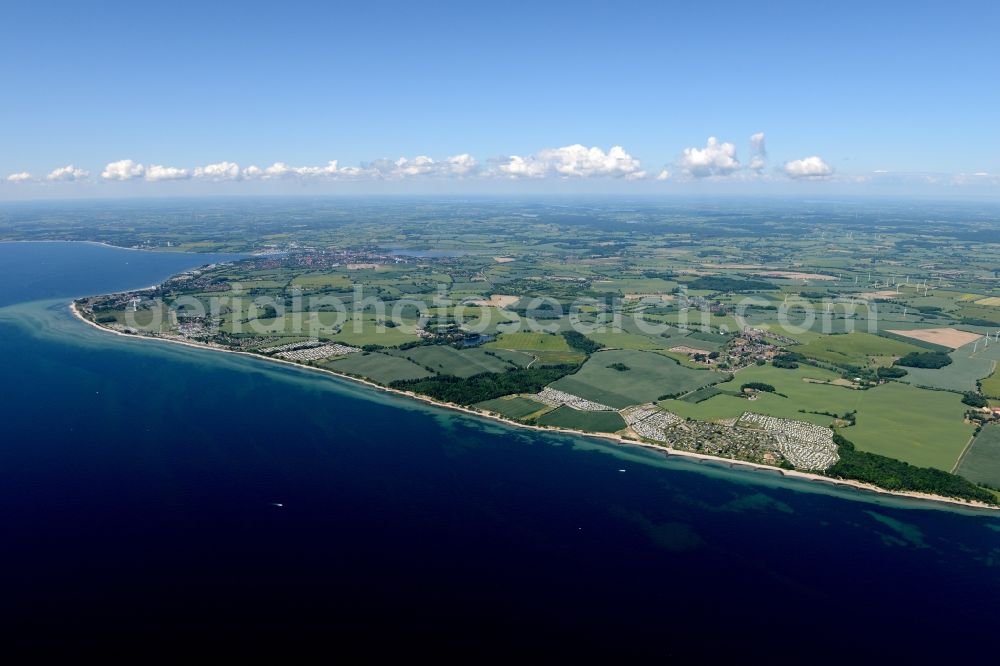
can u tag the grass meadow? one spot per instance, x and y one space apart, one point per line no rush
648 376
982 463
567 417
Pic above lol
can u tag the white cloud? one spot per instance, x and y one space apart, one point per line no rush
808 167
663 175
67 173
387 169
977 178
880 171
157 172
354 172
715 159
122 170
284 170
574 161
422 165
19 177
758 152
218 171
519 167
461 165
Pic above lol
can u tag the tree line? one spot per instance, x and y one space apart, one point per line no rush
895 474
485 386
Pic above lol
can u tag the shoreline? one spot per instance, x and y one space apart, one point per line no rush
156 250
617 439
100 243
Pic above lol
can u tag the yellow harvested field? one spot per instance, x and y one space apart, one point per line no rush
503 260
992 300
498 301
359 267
946 337
684 349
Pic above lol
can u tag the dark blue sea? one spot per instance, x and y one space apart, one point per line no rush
139 483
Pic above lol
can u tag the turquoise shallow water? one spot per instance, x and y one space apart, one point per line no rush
139 483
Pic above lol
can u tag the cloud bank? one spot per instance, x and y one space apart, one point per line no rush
716 161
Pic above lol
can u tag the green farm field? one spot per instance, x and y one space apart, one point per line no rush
261 284
991 385
982 462
322 281
515 407
919 426
530 341
980 312
854 348
649 376
802 395
624 340
372 333
963 372
446 360
380 368
547 349
567 417
635 286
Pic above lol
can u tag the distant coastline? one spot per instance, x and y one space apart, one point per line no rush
665 450
90 242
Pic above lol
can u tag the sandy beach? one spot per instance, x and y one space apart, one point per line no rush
937 499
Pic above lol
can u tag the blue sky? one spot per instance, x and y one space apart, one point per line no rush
841 92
